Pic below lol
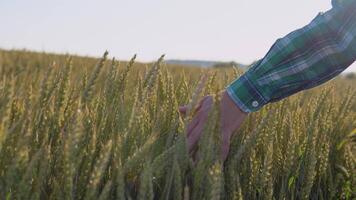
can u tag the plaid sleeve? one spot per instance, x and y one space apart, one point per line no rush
301 60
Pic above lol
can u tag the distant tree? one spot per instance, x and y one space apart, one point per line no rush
225 64
350 75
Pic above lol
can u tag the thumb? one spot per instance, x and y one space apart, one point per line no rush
183 109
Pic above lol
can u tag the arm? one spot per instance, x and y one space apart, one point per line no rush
301 60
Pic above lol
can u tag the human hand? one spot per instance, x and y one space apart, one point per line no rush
231 118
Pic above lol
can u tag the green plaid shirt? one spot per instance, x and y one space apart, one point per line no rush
301 60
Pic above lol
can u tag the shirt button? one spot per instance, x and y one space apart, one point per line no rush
255 104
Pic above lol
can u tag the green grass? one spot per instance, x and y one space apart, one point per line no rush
85 128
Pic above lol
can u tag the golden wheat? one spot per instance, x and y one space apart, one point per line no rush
77 128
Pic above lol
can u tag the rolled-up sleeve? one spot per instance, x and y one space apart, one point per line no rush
301 60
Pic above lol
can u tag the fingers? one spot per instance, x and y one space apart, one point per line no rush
184 109
225 149
196 157
225 145
195 127
194 136
193 124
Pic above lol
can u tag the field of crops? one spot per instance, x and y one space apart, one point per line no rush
85 128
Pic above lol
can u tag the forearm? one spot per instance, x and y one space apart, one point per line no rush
303 59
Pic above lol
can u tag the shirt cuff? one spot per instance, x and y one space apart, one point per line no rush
245 94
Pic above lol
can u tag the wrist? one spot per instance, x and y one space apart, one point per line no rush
231 103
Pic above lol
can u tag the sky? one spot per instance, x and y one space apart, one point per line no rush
224 30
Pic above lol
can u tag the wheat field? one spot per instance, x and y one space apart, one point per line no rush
83 128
